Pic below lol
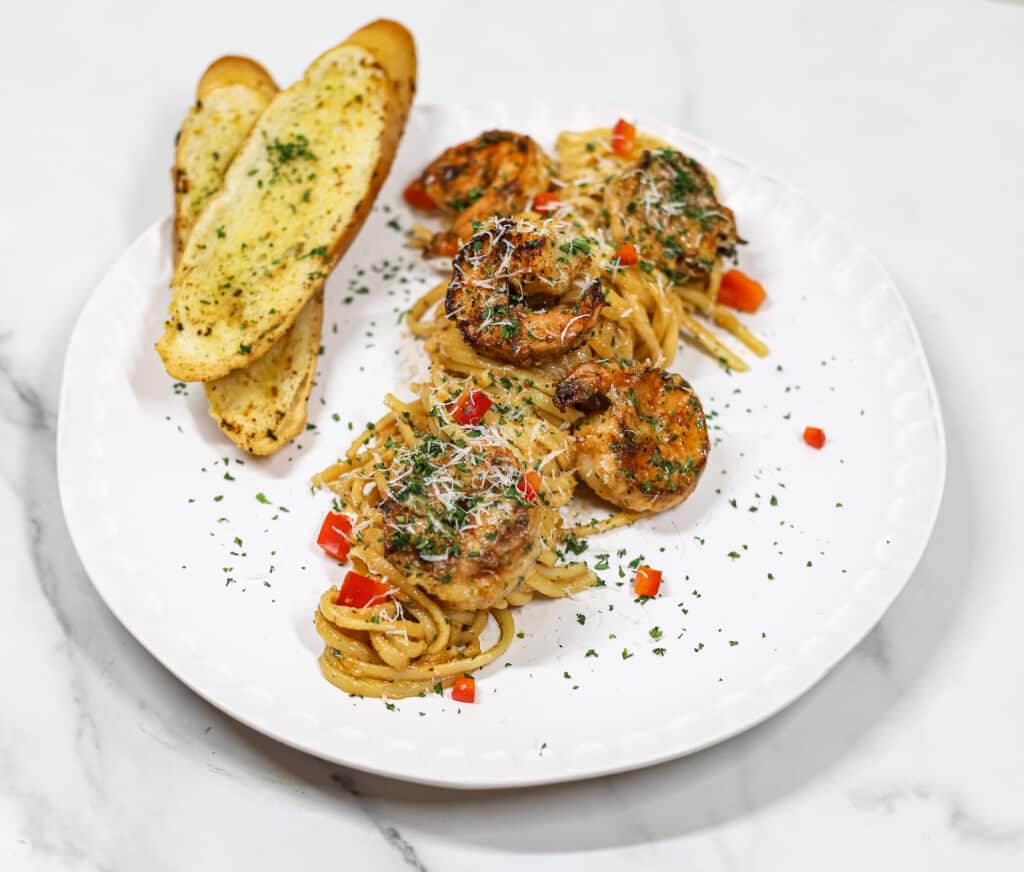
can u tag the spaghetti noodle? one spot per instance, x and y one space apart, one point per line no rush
424 485
588 164
415 642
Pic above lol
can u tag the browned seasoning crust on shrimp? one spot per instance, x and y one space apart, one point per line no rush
455 523
667 206
642 443
524 291
497 173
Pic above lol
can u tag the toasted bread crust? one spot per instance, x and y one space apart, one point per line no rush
395 50
236 70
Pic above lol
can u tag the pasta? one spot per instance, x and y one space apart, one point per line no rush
413 643
586 163
417 638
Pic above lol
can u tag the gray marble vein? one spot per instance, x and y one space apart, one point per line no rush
960 820
389 833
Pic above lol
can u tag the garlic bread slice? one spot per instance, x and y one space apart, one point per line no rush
290 204
231 96
263 405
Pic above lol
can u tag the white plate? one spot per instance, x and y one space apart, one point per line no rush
811 579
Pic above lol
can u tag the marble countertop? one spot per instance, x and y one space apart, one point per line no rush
905 119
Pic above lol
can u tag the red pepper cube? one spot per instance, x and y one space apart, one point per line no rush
360 591
647 581
623 135
628 254
464 689
546 202
334 533
814 436
739 291
471 406
529 485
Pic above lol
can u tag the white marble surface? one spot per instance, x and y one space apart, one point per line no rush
907 119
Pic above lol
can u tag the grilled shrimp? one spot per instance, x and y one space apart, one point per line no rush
643 443
455 522
495 174
666 205
524 291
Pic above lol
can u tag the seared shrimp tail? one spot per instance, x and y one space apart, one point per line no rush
524 292
642 443
497 173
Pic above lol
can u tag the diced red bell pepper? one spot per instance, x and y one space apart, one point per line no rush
464 689
647 581
623 135
529 485
471 406
546 202
359 591
628 254
739 291
814 436
334 535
